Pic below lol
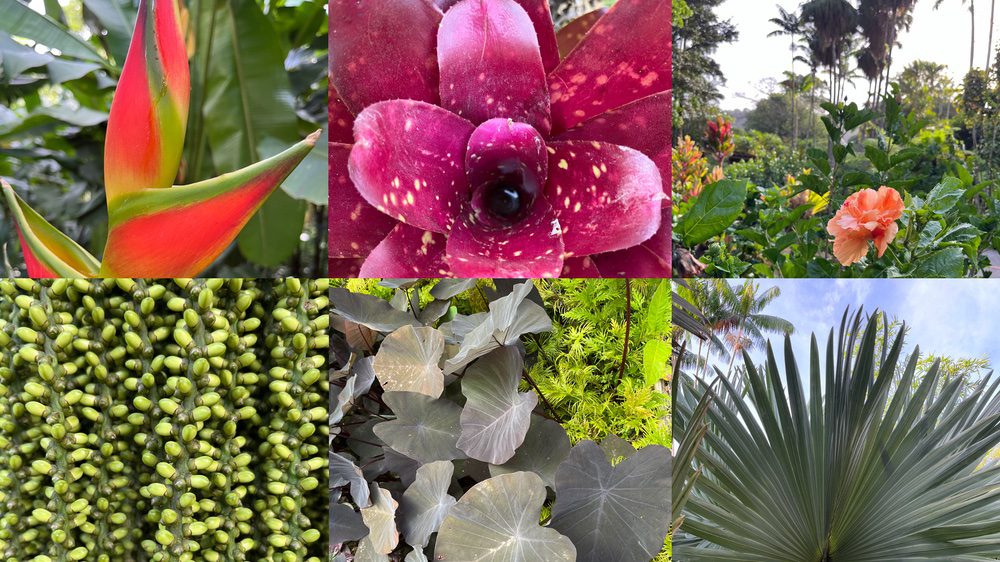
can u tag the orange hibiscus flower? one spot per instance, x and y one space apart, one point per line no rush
865 215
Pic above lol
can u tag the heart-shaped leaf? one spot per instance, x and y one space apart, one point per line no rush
426 503
357 385
346 524
545 447
343 472
399 464
496 416
497 521
369 311
380 517
408 361
425 428
614 514
510 317
616 448
459 328
448 288
368 553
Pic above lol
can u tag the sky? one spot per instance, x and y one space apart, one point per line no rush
940 36
955 318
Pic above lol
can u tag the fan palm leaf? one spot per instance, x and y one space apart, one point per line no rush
836 466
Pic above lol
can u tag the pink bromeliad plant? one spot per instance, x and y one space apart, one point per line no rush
470 139
155 230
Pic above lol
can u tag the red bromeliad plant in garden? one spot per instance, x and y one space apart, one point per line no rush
155 230
719 139
464 144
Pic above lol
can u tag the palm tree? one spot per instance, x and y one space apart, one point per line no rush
789 24
814 83
880 22
989 46
735 316
833 24
972 32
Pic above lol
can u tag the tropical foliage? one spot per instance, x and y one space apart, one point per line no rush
445 429
257 77
861 453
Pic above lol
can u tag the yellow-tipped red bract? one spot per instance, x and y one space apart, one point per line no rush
155 230
150 108
180 231
47 252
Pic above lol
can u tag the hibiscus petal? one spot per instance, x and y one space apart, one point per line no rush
572 33
340 118
491 65
178 232
625 57
407 252
148 116
346 268
651 259
48 253
580 268
850 249
643 125
532 247
545 31
409 162
383 50
885 237
355 226
606 197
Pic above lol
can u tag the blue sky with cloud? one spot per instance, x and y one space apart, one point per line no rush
956 318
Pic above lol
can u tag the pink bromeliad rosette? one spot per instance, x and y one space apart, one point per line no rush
155 229
468 139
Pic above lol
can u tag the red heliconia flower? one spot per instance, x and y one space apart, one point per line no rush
155 230
469 139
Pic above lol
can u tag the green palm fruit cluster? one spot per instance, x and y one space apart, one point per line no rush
163 420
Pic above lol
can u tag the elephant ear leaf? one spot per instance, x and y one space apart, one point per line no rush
497 521
366 310
426 503
425 429
47 251
380 517
620 512
178 232
346 524
509 318
408 360
496 416
545 447
344 471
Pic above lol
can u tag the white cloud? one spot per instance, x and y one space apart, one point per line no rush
956 318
